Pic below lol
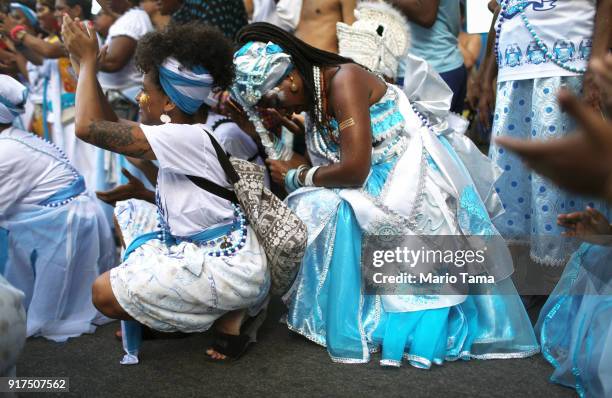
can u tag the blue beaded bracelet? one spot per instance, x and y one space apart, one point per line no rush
290 184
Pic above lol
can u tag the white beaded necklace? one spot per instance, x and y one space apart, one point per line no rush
320 145
541 45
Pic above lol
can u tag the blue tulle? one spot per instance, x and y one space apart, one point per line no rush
575 325
327 306
54 256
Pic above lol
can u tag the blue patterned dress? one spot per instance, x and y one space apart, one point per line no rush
528 110
327 304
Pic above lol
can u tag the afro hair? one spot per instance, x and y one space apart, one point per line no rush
192 44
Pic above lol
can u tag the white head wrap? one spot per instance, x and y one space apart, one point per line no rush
378 39
12 99
259 68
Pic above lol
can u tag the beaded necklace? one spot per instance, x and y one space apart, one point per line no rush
228 245
321 145
424 120
541 45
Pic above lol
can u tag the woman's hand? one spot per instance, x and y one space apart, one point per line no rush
300 126
589 225
81 42
278 170
591 91
240 117
8 61
9 44
134 189
7 23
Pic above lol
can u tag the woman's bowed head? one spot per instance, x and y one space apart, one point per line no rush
275 70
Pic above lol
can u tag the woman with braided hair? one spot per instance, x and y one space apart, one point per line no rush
376 169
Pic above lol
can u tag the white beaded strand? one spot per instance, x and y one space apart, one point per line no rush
539 42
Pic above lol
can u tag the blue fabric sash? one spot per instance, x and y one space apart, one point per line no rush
201 237
45 109
76 188
4 246
139 241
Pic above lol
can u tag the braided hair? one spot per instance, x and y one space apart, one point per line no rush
303 56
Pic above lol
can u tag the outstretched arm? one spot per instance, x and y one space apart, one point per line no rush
44 48
95 123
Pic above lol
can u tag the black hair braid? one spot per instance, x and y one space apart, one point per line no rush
303 56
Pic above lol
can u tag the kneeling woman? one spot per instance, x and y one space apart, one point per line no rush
197 261
54 240
377 168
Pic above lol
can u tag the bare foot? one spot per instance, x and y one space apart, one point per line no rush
229 324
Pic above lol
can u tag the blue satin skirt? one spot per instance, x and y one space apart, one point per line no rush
327 306
575 325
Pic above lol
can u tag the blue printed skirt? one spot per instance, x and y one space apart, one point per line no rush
528 110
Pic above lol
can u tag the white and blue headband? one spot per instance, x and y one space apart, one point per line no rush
27 11
12 99
187 88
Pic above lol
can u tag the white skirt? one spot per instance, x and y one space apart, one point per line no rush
181 287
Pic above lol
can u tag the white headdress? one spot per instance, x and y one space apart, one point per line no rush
378 39
12 99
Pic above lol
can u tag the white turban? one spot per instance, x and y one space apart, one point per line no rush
12 99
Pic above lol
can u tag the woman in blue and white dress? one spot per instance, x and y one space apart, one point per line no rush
540 49
377 167
575 324
191 260
54 241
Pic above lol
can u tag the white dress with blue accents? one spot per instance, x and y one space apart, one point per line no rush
54 240
190 258
417 181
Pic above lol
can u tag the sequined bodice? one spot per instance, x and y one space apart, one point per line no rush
387 123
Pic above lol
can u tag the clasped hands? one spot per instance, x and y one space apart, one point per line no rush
81 41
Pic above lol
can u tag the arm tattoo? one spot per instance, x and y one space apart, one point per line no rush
118 137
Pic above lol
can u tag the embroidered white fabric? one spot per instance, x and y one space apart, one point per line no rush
377 39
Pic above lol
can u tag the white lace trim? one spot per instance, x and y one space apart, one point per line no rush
390 362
